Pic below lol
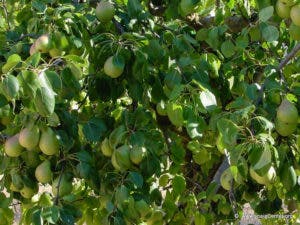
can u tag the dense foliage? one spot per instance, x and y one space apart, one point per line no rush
149 111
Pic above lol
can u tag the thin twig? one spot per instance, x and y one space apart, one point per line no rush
27 35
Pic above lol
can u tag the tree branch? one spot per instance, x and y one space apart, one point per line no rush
217 177
288 57
118 26
27 35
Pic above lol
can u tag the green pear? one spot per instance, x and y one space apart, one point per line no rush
43 172
12 146
27 192
49 144
105 11
29 137
287 112
106 149
137 154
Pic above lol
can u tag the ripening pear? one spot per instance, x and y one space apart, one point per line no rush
226 179
49 144
27 192
29 137
105 11
106 149
283 10
42 44
295 14
114 68
285 129
12 146
287 112
137 154
32 49
287 118
43 172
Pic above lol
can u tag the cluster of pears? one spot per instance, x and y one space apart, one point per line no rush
290 9
31 140
114 65
286 118
122 155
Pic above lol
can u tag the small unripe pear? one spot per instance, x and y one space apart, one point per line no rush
287 112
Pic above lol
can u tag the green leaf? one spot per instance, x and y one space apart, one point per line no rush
267 125
38 5
175 114
134 8
136 178
44 101
178 184
228 131
84 156
270 33
4 201
266 13
260 158
12 61
202 156
10 87
172 79
94 129
199 219
37 218
75 59
29 82
242 42
34 60
50 79
208 100
195 125
51 214
211 190
228 49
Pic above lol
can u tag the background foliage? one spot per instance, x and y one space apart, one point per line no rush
198 94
